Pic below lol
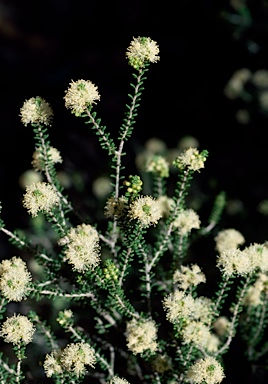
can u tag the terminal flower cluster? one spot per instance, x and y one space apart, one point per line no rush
14 279
17 329
228 238
187 277
186 220
206 370
36 111
146 210
73 358
82 247
80 95
40 197
191 159
141 336
142 50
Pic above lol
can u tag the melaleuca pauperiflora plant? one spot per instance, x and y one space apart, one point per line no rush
124 302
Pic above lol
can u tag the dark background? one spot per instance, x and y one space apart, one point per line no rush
43 45
46 44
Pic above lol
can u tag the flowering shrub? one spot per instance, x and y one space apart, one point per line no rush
125 301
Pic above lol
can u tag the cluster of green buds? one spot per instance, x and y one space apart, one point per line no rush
65 318
110 270
133 185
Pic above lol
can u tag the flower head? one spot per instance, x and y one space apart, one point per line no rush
75 356
72 358
38 161
236 262
206 370
17 329
52 364
186 221
142 50
36 111
40 197
14 279
82 249
141 336
178 306
196 332
80 95
65 317
228 238
188 276
258 256
146 210
192 159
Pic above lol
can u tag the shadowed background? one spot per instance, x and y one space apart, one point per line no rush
202 43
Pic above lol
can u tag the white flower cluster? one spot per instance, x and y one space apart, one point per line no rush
146 210
195 316
40 197
17 329
236 262
82 247
228 238
36 111
72 358
80 95
191 159
188 277
142 50
14 279
206 370
186 220
141 336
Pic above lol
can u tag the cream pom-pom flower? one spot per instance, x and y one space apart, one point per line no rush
73 358
146 210
40 197
187 277
36 111
141 336
206 370
17 329
80 95
228 238
14 279
186 220
82 247
142 50
192 159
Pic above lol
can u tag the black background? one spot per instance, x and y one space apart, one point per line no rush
43 45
